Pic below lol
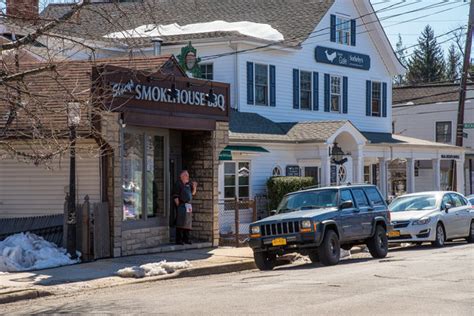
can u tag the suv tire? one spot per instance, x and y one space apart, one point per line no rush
263 261
330 250
440 236
378 243
314 256
470 238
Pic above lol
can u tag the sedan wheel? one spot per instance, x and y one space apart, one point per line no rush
470 238
440 236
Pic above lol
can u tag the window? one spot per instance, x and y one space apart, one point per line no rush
458 200
346 195
335 94
305 90
446 200
443 132
360 198
261 84
207 71
143 176
374 196
376 98
236 180
276 171
343 31
313 173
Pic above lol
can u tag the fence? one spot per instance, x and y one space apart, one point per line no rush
50 227
235 217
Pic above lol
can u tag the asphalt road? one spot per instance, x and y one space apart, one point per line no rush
412 281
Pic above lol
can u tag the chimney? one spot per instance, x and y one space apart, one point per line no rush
23 9
157 46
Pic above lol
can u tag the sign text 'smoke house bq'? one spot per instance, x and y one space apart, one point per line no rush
125 90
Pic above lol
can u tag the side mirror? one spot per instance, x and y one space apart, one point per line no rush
273 212
347 204
447 206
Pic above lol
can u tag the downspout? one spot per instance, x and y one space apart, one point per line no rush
236 79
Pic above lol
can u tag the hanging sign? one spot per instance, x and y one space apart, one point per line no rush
333 174
342 58
468 125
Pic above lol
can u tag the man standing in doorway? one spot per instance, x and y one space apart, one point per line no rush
183 193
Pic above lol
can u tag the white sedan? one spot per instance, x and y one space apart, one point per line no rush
431 216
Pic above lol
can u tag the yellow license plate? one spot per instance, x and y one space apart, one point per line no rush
279 242
394 233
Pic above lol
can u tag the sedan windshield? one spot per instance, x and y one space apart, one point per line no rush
308 200
413 203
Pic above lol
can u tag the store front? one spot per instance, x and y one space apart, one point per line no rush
160 123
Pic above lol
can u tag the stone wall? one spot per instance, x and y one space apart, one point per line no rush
201 158
143 240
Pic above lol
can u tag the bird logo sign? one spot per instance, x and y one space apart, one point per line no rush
331 56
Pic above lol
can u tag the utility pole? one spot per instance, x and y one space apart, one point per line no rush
462 90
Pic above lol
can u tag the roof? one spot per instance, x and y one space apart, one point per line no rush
426 94
254 127
99 19
45 95
394 139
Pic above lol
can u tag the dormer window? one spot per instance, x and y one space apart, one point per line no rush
343 31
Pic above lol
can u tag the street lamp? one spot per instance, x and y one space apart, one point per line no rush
74 118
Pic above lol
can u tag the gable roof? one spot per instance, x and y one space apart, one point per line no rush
426 94
295 19
45 95
254 127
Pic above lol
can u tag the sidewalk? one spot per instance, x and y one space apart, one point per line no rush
101 273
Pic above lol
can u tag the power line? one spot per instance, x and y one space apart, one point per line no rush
215 56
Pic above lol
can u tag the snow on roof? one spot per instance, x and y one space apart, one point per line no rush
259 30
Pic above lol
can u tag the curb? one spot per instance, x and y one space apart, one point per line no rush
20 295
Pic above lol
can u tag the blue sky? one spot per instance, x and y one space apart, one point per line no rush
442 15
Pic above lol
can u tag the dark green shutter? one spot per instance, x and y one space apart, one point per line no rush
250 98
272 86
327 95
315 91
344 94
333 28
368 98
384 99
296 89
353 32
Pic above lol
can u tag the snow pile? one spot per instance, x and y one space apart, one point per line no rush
258 30
153 269
26 251
345 254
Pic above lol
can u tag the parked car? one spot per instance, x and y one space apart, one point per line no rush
470 198
318 222
431 216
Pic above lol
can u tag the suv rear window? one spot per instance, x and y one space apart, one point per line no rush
374 196
360 197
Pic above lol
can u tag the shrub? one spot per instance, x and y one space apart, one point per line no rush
277 187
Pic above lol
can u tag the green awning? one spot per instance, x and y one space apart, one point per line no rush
226 154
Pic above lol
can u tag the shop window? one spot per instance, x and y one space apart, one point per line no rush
236 180
276 171
336 94
143 176
376 98
305 90
312 172
261 84
207 71
366 174
343 30
443 132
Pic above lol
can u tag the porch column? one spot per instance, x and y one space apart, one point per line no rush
460 176
437 174
383 164
325 165
358 166
410 175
